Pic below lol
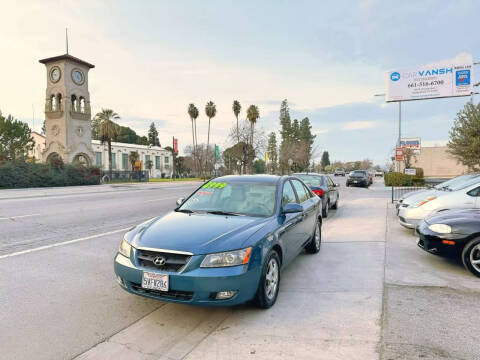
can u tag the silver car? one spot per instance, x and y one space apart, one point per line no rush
466 195
414 196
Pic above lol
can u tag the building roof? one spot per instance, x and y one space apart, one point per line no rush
66 57
133 146
36 133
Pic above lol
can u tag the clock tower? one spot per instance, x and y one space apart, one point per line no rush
67 110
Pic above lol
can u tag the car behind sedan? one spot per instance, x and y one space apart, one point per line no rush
453 232
224 245
359 178
324 187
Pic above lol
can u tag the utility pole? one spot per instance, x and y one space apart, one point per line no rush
173 155
399 142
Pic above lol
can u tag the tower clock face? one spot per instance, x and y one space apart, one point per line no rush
78 77
55 74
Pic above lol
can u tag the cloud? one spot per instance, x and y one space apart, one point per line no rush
358 125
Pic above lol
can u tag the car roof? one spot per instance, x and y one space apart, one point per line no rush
263 178
312 174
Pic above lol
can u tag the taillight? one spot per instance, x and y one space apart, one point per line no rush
318 192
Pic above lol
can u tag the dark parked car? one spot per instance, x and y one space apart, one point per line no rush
359 178
453 233
324 188
224 245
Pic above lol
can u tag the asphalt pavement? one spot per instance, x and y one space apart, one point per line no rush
370 293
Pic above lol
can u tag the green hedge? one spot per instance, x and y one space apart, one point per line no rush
23 175
400 179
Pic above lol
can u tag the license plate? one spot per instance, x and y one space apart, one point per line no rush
355 181
154 281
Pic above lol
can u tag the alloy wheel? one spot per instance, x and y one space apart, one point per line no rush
317 236
475 257
271 279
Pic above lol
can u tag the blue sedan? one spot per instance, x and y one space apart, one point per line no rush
225 244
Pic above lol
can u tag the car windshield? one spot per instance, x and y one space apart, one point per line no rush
311 180
463 184
359 173
233 198
457 182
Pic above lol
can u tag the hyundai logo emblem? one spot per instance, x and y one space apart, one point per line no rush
159 261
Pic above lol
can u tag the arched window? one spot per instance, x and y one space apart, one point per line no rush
82 104
74 103
59 102
53 103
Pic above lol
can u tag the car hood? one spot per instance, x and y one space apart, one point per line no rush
196 233
421 195
462 221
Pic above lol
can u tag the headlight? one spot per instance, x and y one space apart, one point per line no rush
420 203
124 248
440 228
229 258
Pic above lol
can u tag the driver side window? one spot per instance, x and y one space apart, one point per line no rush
288 195
474 192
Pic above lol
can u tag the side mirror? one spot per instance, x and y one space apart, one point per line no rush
292 208
180 201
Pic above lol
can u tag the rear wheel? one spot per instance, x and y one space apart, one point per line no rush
269 282
313 246
471 256
325 210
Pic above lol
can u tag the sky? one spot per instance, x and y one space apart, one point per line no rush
328 58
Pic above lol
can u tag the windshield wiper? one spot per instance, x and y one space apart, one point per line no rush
219 212
184 211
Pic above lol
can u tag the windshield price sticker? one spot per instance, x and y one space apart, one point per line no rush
214 185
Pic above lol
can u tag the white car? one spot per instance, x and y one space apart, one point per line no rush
455 183
464 196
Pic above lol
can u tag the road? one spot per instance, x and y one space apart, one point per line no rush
364 296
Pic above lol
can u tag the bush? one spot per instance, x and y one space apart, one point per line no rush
400 179
23 174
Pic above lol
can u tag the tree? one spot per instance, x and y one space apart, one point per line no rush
259 166
153 135
252 115
133 157
464 143
15 139
108 130
272 152
408 154
285 134
95 125
142 140
236 107
193 113
127 135
306 140
325 160
210 111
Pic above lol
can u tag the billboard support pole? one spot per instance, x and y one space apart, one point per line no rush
399 142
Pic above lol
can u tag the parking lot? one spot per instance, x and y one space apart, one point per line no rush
369 294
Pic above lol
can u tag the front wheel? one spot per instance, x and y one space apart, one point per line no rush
313 246
269 281
335 206
325 210
471 256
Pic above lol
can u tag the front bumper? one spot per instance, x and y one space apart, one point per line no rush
354 182
411 217
195 285
432 242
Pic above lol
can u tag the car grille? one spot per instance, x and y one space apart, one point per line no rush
171 294
173 262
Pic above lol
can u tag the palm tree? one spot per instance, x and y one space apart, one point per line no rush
210 111
193 113
236 107
133 157
108 131
252 115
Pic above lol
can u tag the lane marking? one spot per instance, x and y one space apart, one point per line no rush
62 243
16 217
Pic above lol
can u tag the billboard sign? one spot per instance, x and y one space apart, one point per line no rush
175 146
448 78
411 143
399 154
411 172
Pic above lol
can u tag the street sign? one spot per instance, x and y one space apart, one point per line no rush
410 143
217 152
175 146
399 154
446 78
412 172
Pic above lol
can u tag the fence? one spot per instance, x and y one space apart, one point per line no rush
399 191
121 176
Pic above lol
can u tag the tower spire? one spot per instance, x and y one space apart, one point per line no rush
66 38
